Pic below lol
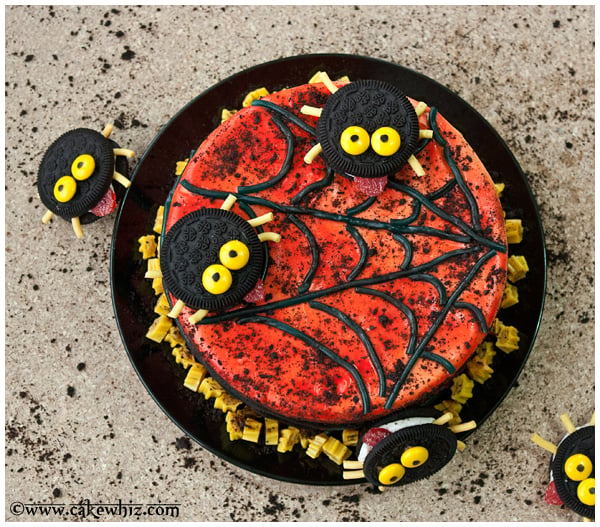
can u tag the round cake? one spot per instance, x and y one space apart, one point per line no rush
321 292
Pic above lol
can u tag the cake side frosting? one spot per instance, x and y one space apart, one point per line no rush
371 304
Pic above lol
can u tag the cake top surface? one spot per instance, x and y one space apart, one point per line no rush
365 304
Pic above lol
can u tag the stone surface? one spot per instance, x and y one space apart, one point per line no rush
79 423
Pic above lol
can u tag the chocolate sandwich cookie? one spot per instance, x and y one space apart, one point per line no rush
368 129
211 259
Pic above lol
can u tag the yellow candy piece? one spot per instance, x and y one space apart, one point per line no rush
147 246
336 450
64 189
226 114
227 403
180 167
586 492
320 75
153 269
391 474
514 231
217 279
517 268
251 430
497 326
350 437
316 78
271 431
184 357
210 388
157 285
234 423
304 438
578 467
507 339
159 328
511 296
499 188
194 377
234 255
462 388
288 438
478 367
83 167
486 352
174 337
354 140
162 305
158 221
453 407
414 456
385 141
479 371
315 445
254 95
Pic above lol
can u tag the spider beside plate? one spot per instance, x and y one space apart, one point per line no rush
153 178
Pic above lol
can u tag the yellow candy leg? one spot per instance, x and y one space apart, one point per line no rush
77 227
47 217
120 178
177 308
546 445
313 153
567 423
123 152
311 110
463 427
107 130
416 166
198 316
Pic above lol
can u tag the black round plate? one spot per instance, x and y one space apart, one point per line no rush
133 298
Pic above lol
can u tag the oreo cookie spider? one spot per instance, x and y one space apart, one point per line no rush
412 446
76 173
212 259
367 129
572 472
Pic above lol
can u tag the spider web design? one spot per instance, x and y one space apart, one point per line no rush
469 233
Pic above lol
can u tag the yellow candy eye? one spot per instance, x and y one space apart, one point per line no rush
234 255
64 189
354 140
578 467
586 492
216 279
385 141
414 457
391 474
83 167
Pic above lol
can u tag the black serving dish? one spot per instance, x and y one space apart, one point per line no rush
152 179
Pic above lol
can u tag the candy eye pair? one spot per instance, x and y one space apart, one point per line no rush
217 278
413 457
355 140
81 169
579 467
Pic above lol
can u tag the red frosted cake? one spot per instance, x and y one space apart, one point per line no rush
343 286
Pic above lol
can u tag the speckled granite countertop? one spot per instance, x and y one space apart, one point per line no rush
79 424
